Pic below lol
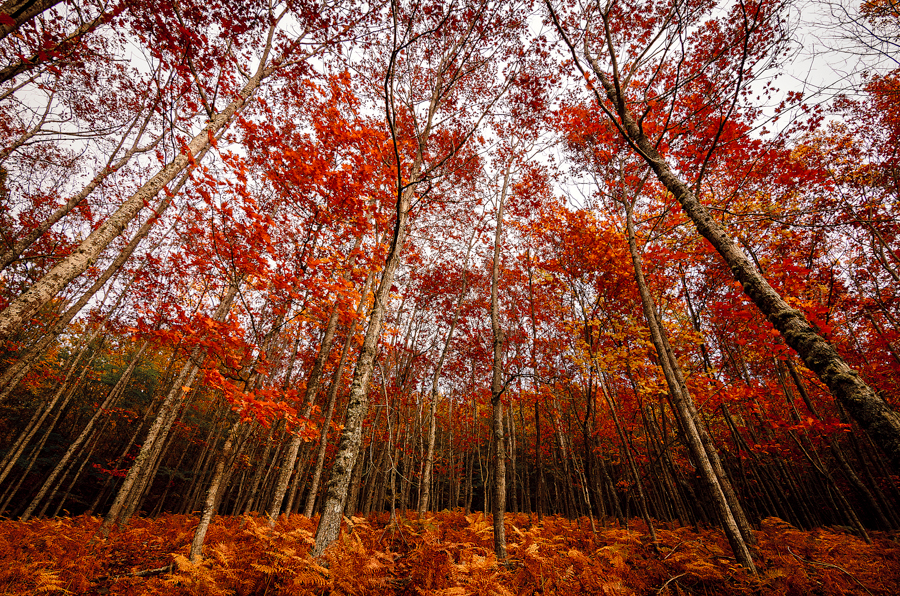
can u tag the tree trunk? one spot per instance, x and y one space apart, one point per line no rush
22 11
13 253
351 437
685 409
16 371
872 413
261 466
541 489
156 435
89 250
68 390
351 505
332 397
425 495
309 397
111 398
626 447
41 414
212 495
498 502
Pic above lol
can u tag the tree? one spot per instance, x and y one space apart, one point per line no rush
741 40
89 250
449 49
17 12
498 383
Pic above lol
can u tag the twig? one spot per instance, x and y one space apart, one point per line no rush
144 573
850 575
674 548
670 580
393 525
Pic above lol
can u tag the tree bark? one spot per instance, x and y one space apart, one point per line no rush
684 407
309 398
498 502
425 495
209 507
18 369
872 413
332 397
87 253
158 431
22 11
111 398
405 186
351 438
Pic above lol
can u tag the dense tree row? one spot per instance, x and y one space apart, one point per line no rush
335 258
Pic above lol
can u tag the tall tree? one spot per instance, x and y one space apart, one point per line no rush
610 55
67 269
430 126
498 383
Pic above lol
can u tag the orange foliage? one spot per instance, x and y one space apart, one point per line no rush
445 554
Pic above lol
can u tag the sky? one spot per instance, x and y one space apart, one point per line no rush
835 47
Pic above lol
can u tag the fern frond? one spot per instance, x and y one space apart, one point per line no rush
47 581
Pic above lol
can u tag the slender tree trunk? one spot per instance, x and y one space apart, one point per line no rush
332 397
514 502
872 413
313 383
526 482
156 435
626 446
94 441
498 502
299 481
198 471
261 466
212 495
541 489
111 398
351 438
22 11
312 388
425 495
66 389
23 363
38 419
684 407
89 250
611 491
140 489
13 253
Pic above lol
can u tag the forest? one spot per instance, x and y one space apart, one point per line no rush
449 297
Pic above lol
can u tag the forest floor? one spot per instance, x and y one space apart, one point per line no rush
448 553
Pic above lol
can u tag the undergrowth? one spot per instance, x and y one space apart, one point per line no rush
447 554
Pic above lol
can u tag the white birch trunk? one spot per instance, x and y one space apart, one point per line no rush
42 291
684 407
145 459
110 400
332 397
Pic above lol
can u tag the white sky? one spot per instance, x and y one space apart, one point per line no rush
835 47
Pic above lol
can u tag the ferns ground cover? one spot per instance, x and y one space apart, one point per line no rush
446 553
